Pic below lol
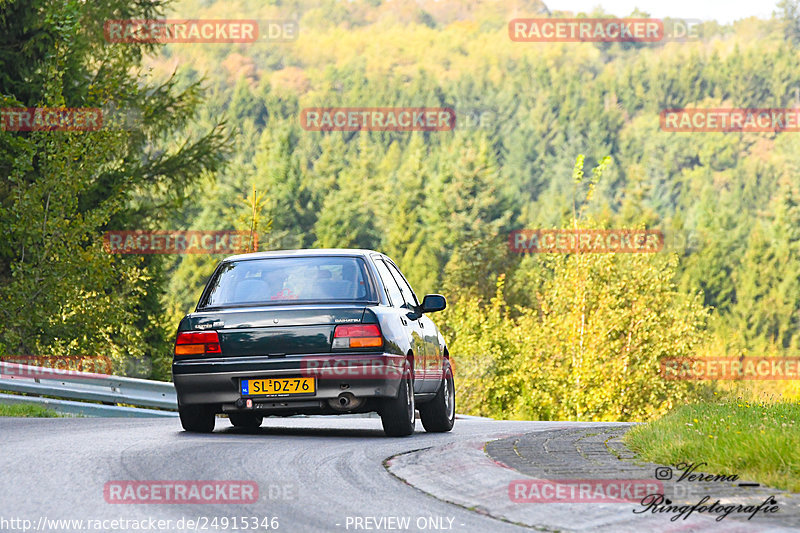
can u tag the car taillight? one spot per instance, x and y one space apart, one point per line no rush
197 343
357 336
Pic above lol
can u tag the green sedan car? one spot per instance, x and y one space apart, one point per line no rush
313 332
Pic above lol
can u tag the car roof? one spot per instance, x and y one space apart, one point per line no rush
306 252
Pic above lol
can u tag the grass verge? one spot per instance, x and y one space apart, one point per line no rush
33 411
756 441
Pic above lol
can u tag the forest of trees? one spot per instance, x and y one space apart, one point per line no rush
533 336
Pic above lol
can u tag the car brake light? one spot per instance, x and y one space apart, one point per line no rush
357 336
197 343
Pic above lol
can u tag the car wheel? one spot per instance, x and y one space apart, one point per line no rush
245 420
398 414
439 414
197 418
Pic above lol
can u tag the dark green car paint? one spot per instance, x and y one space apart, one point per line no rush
264 340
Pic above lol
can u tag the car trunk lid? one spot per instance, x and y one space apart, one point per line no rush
276 330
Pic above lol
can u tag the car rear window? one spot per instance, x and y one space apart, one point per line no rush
288 280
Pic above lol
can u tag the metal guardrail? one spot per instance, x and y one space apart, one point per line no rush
85 409
86 387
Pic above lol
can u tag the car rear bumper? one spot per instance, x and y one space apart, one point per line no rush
217 380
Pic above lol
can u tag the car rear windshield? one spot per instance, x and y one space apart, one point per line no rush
288 280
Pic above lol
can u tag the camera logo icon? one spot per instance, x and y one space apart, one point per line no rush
663 473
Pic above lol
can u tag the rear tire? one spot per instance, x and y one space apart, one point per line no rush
245 420
398 414
197 418
439 414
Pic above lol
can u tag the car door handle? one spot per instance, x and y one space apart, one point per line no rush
403 321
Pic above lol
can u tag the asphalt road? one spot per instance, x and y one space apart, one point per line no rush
313 474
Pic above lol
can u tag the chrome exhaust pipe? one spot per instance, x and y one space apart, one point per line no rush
345 401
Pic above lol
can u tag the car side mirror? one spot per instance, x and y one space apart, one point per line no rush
432 303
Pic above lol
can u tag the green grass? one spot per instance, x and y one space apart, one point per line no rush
20 409
757 442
